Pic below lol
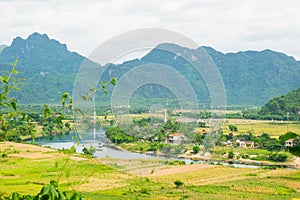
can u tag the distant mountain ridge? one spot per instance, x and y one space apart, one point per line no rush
254 77
2 47
47 66
250 77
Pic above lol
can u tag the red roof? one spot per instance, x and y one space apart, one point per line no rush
177 134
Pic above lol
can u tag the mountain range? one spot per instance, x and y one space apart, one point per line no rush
47 66
2 47
250 77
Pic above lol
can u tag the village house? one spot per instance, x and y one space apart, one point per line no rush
228 143
244 144
289 143
176 138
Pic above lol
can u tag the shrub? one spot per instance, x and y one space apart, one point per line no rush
3 155
89 151
178 183
278 157
245 156
196 149
232 127
260 157
145 191
230 155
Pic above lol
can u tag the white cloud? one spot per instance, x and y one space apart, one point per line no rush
230 25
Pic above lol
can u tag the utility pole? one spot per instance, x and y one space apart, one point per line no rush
287 121
94 119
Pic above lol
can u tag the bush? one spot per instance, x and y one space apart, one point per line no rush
117 135
232 127
278 157
145 191
3 155
178 183
231 155
196 149
89 151
245 156
260 157
295 150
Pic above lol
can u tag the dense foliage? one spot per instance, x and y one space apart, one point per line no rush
285 107
117 135
287 136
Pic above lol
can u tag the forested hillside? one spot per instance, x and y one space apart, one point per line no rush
285 106
250 77
47 66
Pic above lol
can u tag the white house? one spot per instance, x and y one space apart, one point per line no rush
289 143
245 144
176 138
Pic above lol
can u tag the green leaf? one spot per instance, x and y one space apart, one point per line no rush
46 111
13 104
114 81
5 79
59 121
14 71
15 196
76 196
64 97
15 63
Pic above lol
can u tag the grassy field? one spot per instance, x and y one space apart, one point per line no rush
25 168
260 126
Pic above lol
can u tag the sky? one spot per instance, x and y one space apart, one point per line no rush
225 25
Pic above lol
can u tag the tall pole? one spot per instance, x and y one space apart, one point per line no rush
95 124
165 118
287 121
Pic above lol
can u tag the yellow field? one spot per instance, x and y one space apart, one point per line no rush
261 126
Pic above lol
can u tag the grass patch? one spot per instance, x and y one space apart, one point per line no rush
209 189
251 174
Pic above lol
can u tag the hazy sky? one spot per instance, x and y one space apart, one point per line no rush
226 25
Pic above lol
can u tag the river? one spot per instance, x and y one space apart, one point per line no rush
100 142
